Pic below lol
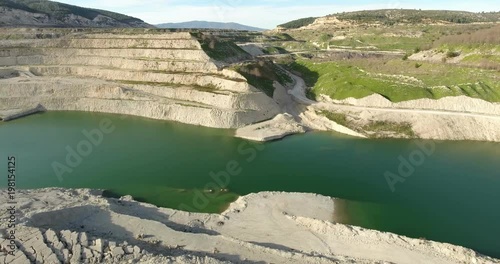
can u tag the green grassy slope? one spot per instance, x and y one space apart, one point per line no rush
262 74
456 56
360 78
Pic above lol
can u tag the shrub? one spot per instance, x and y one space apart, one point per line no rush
418 65
405 57
452 54
325 37
338 118
379 127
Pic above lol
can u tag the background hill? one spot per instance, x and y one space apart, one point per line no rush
210 25
45 13
404 16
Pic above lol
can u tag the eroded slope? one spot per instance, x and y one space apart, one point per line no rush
156 74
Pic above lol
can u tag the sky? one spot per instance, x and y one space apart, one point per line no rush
264 14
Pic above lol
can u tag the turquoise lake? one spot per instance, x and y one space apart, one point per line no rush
453 195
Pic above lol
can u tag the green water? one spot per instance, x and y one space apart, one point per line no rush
454 196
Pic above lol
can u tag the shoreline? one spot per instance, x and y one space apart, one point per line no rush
253 133
300 115
9 115
340 215
256 116
251 229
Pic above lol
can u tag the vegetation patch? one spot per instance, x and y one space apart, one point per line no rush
381 128
413 16
400 37
262 75
480 48
362 77
452 54
340 81
275 50
263 84
149 83
282 37
221 49
374 129
298 23
483 36
208 88
338 118
484 61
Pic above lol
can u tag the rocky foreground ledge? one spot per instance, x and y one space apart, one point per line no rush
81 226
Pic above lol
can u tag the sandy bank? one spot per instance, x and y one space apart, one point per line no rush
449 118
277 128
81 226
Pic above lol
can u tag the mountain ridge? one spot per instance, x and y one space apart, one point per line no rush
404 16
209 25
44 13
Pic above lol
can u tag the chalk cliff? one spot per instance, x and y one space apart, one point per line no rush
159 74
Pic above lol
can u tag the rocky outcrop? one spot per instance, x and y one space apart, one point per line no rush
277 128
162 76
18 113
328 22
65 246
82 226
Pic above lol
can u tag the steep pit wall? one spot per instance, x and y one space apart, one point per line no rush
114 62
196 79
181 104
162 76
